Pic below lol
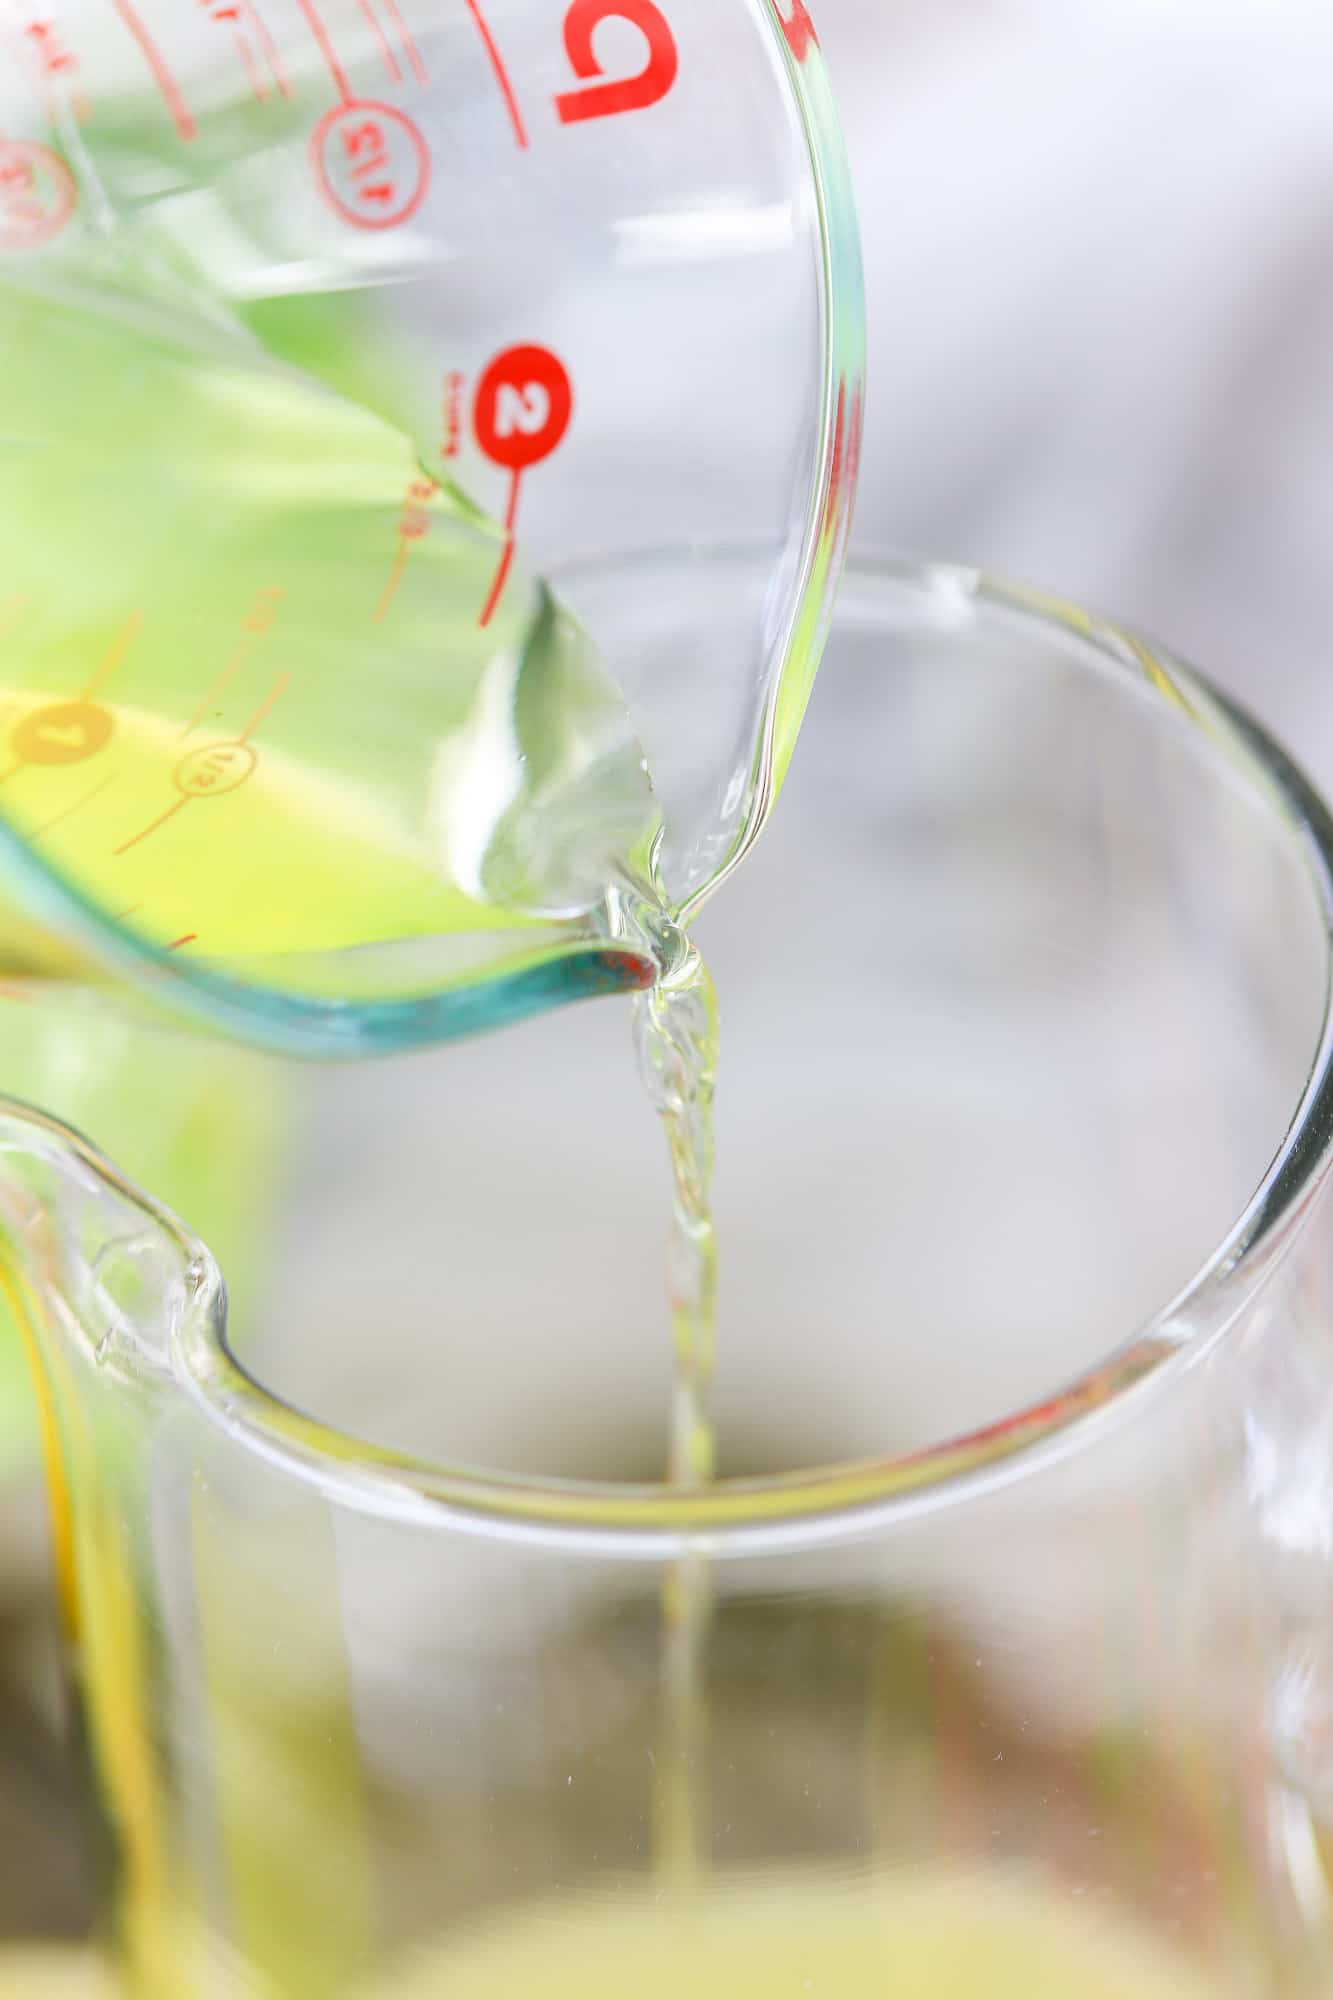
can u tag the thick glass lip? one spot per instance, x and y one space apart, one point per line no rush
830 1502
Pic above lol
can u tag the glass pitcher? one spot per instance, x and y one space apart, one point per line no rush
1010 1656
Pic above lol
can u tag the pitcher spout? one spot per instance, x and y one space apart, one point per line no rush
95 1271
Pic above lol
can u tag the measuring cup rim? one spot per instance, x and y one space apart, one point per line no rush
824 1504
828 522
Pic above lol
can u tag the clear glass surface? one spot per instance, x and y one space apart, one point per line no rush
1017 1666
315 314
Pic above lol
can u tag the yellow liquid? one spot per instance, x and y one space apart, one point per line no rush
260 703
916 1936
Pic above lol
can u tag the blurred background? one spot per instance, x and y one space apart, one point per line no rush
1099 247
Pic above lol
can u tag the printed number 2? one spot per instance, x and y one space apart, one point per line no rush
629 93
525 412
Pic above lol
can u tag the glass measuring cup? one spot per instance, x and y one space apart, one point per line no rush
314 315
1017 1676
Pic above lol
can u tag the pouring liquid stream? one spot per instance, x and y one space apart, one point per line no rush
676 1030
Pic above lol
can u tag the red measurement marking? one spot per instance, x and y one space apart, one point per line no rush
390 60
371 164
501 73
522 407
258 621
55 58
38 194
851 465
258 88
326 49
45 99
191 937
59 66
265 708
410 49
269 47
799 30
607 98
263 612
67 812
451 413
838 463
162 76
395 578
62 732
114 655
217 690
639 973
414 524
497 590
160 821
520 413
214 770
415 518
844 465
